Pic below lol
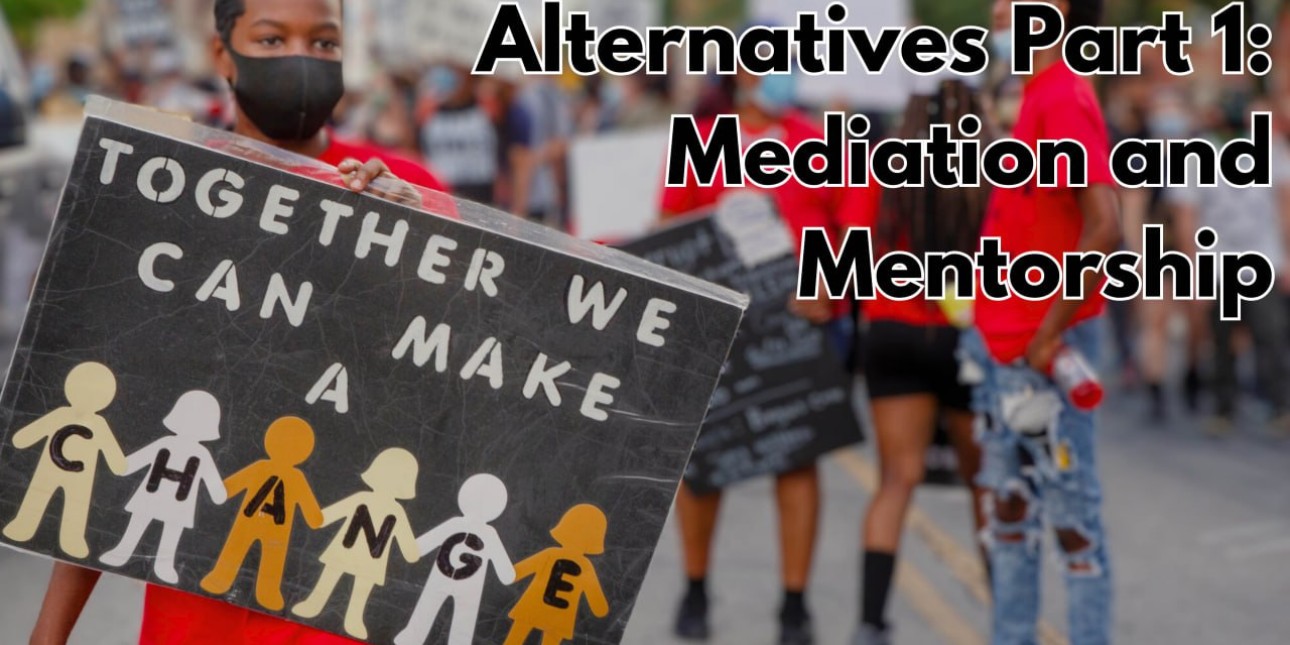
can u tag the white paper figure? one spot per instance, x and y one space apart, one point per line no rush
466 546
177 468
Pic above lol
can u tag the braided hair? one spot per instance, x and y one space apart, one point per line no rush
933 219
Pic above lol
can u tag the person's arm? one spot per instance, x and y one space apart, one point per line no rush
1101 208
69 588
113 456
596 600
406 539
39 429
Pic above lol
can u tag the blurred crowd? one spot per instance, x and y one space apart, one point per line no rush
505 140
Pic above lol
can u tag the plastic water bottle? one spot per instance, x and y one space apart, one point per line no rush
1074 376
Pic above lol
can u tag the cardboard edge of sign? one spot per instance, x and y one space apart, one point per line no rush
469 213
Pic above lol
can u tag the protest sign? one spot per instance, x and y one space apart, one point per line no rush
616 182
784 398
399 406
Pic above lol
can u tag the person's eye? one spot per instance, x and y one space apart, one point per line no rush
327 45
270 41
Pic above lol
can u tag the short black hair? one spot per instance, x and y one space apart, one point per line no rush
1084 13
227 13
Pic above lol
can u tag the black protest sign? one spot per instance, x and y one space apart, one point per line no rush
256 386
784 398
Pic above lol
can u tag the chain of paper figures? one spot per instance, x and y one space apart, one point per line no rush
275 490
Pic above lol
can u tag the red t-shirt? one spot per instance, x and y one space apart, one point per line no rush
861 210
800 206
1056 104
177 618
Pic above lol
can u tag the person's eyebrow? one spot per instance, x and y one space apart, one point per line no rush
326 26
266 22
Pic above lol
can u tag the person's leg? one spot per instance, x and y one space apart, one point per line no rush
230 560
1224 367
273 561
903 428
1073 501
164 567
354 623
696 517
959 425
1267 322
313 605
24 525
1013 536
76 519
417 631
797 496
1154 351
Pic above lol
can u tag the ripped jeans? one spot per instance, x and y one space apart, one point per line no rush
1039 467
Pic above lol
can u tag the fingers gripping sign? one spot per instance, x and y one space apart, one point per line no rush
74 436
362 177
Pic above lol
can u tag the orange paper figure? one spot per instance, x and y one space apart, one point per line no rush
275 488
561 577
74 438
361 549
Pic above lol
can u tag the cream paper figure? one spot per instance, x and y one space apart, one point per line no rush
74 436
373 520
467 545
178 466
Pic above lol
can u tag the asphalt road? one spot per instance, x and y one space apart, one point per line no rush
1199 530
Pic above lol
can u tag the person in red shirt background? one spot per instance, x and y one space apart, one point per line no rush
764 106
1038 449
282 58
910 361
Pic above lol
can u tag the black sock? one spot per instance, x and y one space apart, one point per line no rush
794 609
696 591
879 568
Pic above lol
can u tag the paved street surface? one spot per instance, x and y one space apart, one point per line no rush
1200 536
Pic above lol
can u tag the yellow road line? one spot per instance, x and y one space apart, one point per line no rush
963 563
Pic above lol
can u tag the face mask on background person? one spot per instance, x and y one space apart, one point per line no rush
776 93
289 98
444 82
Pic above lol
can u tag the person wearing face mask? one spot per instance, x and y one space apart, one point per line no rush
282 59
457 136
764 106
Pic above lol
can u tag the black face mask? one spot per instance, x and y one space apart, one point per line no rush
289 98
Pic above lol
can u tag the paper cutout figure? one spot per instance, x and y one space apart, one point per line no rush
561 577
74 437
362 548
275 488
466 546
178 466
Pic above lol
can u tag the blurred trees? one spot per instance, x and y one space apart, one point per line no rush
25 15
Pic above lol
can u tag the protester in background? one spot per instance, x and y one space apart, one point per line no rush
1251 219
1165 118
539 124
282 58
1039 460
457 136
910 365
765 108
